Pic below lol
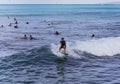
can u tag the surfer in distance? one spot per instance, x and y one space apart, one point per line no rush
92 36
63 45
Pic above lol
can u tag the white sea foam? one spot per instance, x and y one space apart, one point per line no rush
70 50
101 47
5 53
98 47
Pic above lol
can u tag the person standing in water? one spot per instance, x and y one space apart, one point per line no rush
63 45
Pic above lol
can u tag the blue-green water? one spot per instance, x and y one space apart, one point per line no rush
89 61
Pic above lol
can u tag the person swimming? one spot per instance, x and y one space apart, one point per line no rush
27 22
57 33
92 36
25 36
63 45
16 26
32 38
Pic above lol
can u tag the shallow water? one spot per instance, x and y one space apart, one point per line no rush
90 61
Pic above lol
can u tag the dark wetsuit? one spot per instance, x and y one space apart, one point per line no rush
93 35
63 44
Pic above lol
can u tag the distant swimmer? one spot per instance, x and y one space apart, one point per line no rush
32 38
49 24
57 33
92 36
27 22
63 45
25 37
16 26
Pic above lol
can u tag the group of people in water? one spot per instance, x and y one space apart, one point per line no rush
62 41
15 24
31 37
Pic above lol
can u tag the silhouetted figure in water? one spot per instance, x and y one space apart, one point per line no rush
31 37
27 22
57 33
92 36
16 26
25 37
49 24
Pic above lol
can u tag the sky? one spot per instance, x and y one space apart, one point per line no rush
56 1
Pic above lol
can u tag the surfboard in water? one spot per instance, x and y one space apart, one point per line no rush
62 52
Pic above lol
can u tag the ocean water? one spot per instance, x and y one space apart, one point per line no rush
89 60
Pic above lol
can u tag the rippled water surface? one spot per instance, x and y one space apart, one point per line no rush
89 60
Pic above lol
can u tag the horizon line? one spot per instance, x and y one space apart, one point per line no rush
61 4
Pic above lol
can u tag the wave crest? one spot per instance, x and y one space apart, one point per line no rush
98 47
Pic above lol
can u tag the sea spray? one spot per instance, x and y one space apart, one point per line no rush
99 47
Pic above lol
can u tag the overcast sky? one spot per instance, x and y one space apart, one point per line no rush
55 1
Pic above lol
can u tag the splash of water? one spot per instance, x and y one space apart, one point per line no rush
98 47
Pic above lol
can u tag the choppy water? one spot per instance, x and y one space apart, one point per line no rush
90 61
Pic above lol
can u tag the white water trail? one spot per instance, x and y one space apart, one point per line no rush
98 47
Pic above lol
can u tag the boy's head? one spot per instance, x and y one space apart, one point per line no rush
62 38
